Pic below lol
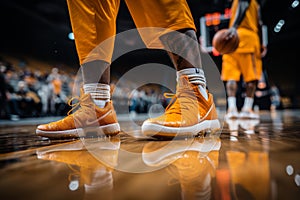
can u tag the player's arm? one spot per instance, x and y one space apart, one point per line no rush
243 5
260 34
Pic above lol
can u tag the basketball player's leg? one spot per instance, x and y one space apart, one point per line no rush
94 25
193 108
230 74
252 71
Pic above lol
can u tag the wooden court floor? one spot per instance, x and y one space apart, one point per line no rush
256 159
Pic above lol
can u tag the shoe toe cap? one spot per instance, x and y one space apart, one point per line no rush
47 127
42 127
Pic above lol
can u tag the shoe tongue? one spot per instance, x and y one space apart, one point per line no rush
81 91
86 98
183 81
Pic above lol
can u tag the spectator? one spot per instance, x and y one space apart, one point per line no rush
25 103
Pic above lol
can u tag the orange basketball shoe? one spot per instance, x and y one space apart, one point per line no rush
189 113
87 118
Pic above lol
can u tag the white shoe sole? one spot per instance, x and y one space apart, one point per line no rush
175 149
107 130
248 116
150 129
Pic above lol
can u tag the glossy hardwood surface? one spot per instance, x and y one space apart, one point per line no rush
246 160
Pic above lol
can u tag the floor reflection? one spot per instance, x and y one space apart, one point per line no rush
191 163
250 159
91 164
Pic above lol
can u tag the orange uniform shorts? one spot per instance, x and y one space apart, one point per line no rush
94 23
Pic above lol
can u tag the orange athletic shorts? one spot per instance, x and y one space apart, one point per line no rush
237 64
94 21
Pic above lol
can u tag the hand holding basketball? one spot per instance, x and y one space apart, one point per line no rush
226 41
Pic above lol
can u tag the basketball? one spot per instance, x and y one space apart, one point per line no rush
223 45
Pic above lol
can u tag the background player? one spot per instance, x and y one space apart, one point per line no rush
246 60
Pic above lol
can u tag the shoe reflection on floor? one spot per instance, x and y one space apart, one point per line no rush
191 163
237 126
91 164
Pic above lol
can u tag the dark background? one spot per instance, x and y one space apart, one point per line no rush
40 28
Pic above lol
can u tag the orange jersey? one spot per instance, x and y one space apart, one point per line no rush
248 29
57 84
250 21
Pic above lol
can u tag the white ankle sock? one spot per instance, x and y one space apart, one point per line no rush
248 103
231 103
196 76
99 92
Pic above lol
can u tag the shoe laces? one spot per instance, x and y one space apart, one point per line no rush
73 105
80 101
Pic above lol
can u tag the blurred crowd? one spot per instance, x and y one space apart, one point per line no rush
25 92
31 93
133 99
